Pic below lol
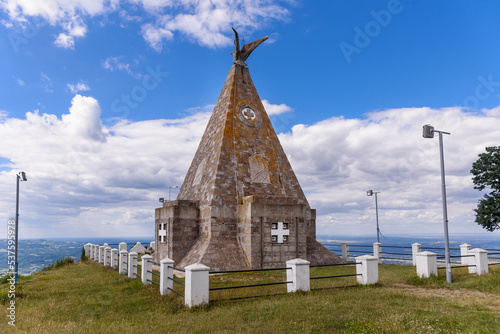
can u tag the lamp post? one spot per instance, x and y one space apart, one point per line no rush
428 132
370 193
20 176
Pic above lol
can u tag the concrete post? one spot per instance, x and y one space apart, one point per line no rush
478 263
196 289
464 251
132 264
426 264
367 269
166 272
101 254
415 248
122 266
152 245
86 247
298 275
147 269
345 251
114 258
377 251
122 246
107 256
94 252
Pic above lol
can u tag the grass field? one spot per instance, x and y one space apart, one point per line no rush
88 298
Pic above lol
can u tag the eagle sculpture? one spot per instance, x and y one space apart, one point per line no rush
239 56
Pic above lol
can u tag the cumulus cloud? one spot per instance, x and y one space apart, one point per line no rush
275 109
78 87
203 22
87 179
206 22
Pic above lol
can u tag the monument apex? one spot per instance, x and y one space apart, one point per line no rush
240 205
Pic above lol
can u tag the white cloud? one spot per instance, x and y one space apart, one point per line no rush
207 22
117 64
18 81
65 41
3 115
46 82
78 87
275 109
204 22
86 179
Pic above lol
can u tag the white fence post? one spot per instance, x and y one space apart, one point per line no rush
152 245
101 254
122 266
464 251
122 246
92 251
415 248
196 289
86 247
107 256
345 251
479 262
166 272
147 269
377 251
114 258
367 269
426 264
132 264
298 274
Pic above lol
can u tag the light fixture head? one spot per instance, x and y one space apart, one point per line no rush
22 176
369 193
162 199
428 131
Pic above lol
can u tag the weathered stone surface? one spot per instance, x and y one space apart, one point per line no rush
239 187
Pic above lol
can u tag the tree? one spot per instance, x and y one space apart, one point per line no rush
486 171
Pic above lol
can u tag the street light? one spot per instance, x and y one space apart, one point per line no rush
370 193
428 132
20 176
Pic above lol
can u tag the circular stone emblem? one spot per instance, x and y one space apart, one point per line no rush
249 116
248 113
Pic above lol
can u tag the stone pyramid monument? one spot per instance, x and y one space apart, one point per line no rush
241 205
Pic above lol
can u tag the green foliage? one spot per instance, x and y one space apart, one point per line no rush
486 171
488 212
83 257
60 262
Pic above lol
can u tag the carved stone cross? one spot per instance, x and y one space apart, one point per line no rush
162 232
280 231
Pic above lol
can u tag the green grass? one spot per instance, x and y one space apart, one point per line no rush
86 297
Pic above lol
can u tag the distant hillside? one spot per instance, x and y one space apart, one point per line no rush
36 254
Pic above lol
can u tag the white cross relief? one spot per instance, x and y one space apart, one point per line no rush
280 232
248 113
162 232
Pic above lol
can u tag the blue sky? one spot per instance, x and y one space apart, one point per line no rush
348 85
